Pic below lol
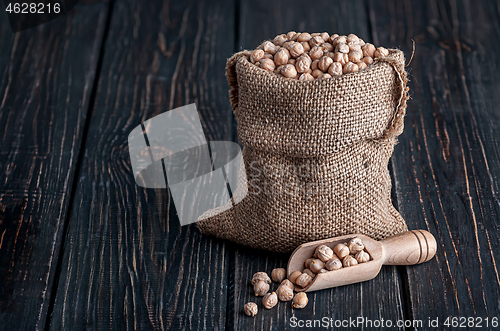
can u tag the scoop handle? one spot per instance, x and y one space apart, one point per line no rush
407 248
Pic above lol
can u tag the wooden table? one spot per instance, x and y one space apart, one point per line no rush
83 247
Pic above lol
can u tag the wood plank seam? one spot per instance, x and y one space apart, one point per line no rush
79 160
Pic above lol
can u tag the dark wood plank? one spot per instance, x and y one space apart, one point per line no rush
376 299
447 162
46 79
127 262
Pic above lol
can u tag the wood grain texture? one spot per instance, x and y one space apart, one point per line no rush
375 299
46 79
128 265
447 162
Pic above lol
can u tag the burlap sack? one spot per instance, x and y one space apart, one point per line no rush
316 155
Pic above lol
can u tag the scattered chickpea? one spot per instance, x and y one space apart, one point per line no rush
316 53
368 50
361 65
342 48
290 35
304 37
289 71
316 265
300 300
306 76
345 59
260 276
296 50
327 47
341 250
352 38
267 64
257 55
251 309
309 272
306 56
325 36
308 262
302 64
316 41
323 64
339 57
279 39
285 293
367 60
260 288
332 38
325 253
354 47
294 275
381 52
269 47
349 261
306 46
330 54
270 300
315 254
278 275
335 69
303 280
287 44
324 76
316 73
333 264
355 245
281 57
288 283
355 56
314 65
339 40
350 68
362 257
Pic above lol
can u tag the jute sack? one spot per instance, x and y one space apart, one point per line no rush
316 155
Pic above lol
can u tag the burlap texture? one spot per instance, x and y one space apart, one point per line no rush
316 155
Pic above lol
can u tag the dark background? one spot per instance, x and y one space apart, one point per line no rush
83 247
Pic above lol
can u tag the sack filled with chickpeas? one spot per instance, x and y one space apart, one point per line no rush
318 116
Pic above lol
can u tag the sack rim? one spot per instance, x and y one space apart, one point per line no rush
244 59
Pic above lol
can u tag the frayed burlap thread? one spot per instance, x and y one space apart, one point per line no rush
316 155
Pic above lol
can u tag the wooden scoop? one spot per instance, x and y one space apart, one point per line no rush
407 248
